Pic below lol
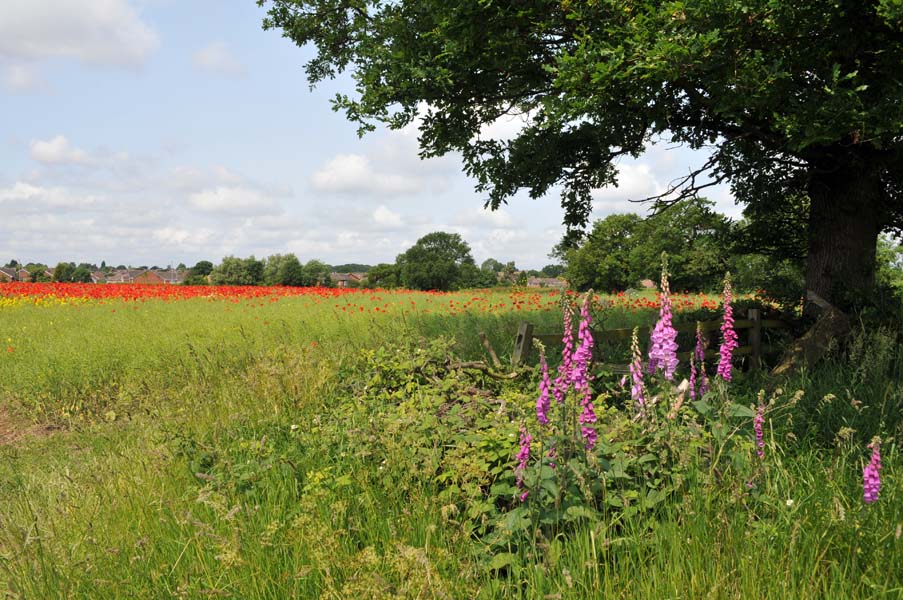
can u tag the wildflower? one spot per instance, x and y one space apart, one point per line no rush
871 476
636 373
697 373
564 369
580 374
542 403
523 457
758 421
663 346
728 335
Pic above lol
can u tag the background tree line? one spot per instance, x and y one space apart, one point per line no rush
622 250
443 261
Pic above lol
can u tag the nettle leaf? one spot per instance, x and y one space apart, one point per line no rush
501 561
738 410
576 513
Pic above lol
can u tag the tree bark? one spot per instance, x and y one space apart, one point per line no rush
844 223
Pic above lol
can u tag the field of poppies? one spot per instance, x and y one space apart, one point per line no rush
160 441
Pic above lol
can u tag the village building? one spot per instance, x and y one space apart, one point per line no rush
344 280
546 282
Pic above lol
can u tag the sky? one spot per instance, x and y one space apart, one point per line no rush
158 132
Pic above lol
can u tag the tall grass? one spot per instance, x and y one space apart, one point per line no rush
203 453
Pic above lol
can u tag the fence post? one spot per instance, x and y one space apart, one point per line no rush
755 338
523 343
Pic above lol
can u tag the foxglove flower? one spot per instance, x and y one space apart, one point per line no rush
542 403
663 343
758 422
564 369
636 373
728 335
698 374
580 374
523 457
871 475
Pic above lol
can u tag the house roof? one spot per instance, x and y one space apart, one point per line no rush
172 275
546 281
11 273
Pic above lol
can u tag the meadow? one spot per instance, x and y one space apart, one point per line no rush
284 442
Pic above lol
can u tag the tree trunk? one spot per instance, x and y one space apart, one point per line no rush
844 223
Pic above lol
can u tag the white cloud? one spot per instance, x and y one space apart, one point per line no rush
216 58
506 127
20 78
485 218
635 182
384 217
58 151
180 236
235 201
24 198
106 32
354 173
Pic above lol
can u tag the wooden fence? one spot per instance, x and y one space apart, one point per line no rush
754 347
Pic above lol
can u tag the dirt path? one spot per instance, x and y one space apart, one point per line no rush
14 429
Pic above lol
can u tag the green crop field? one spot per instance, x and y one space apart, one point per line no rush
363 445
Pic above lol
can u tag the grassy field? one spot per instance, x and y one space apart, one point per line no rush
337 446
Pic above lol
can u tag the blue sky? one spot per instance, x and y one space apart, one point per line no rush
166 131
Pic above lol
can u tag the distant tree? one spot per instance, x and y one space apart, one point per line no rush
63 272
779 278
696 238
383 275
552 270
38 273
202 268
352 268
120 267
438 261
181 267
197 275
81 274
890 264
13 264
491 265
238 271
283 269
103 265
316 272
602 262
622 250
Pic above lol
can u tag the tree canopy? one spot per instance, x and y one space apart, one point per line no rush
438 261
798 103
621 250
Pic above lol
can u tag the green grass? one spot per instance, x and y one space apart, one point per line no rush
212 449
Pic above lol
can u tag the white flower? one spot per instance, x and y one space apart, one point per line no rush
789 502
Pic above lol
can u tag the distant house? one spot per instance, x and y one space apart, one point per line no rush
546 282
98 277
172 276
148 278
344 280
23 275
124 276
7 274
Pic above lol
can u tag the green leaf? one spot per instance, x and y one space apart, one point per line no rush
575 513
738 410
502 560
